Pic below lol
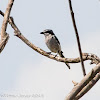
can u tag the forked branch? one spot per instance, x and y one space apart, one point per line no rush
4 35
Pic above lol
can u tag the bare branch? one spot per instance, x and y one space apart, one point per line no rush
86 56
88 86
3 42
6 17
83 83
4 35
77 36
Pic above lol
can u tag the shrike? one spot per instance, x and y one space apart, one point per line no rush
53 43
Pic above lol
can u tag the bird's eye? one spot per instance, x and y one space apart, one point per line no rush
51 31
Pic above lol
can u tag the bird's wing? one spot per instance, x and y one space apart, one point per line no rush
57 40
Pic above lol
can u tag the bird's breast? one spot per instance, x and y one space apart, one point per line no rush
52 44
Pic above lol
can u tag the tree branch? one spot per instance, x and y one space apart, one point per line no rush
6 17
3 42
85 86
4 35
86 56
88 86
77 36
83 83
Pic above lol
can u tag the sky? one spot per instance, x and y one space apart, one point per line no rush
27 75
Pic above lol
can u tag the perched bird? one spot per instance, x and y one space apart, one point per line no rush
53 43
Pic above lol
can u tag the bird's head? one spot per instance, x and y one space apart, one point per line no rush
47 32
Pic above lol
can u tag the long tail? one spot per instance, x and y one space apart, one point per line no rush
61 54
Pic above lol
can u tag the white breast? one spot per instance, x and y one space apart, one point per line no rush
52 43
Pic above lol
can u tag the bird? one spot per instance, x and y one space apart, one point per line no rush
53 43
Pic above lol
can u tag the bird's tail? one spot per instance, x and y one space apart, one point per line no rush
61 54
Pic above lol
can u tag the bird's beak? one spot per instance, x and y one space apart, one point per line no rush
42 33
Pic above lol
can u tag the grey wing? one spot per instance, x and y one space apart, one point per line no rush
57 40
59 46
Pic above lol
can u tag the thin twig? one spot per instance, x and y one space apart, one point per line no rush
77 36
